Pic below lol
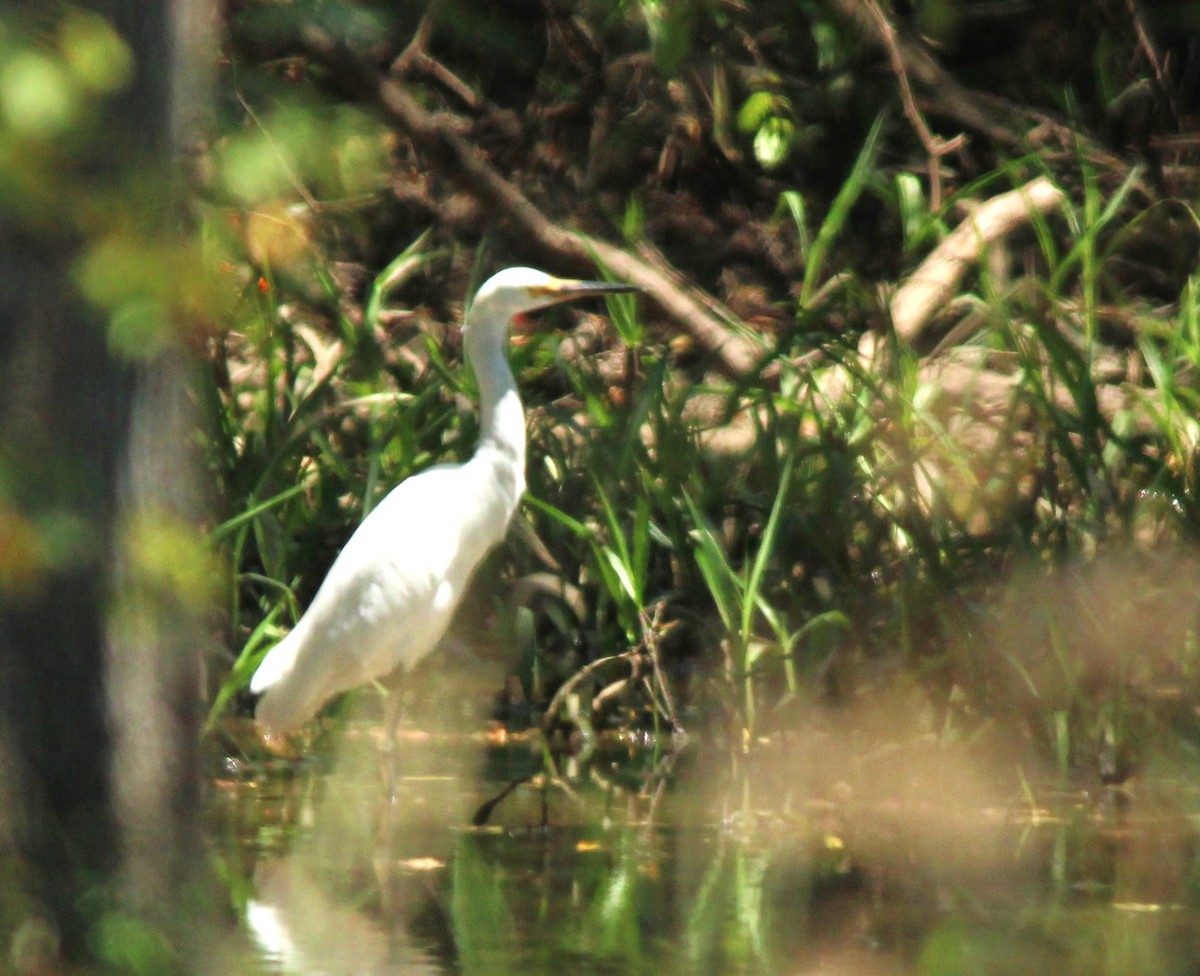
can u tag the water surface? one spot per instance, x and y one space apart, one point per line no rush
902 860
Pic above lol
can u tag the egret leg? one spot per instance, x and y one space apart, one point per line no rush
385 842
391 742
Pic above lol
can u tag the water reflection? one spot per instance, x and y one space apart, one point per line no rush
303 923
801 859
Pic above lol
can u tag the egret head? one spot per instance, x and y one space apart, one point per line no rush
516 290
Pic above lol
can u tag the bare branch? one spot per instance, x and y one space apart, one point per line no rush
935 146
707 321
935 281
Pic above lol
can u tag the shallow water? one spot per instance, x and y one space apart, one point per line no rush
703 863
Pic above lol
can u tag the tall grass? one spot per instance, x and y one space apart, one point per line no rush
868 505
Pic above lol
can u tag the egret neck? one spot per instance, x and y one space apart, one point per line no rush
502 418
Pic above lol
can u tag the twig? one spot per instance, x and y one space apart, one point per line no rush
657 689
935 146
568 687
415 57
652 630
280 157
736 355
404 61
990 115
935 281
1156 63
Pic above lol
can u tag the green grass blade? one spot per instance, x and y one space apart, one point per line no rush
766 548
244 667
397 271
229 525
572 525
718 575
839 210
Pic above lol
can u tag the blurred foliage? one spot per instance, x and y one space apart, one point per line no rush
55 75
100 203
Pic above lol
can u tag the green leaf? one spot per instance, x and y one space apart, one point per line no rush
914 209
793 200
620 573
633 223
572 525
755 111
765 548
773 141
94 52
37 96
263 637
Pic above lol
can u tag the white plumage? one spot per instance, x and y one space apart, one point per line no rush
393 589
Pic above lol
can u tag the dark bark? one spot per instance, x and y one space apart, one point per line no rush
64 408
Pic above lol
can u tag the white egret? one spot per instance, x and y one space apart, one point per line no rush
392 590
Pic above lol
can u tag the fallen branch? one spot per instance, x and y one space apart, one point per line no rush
936 281
709 323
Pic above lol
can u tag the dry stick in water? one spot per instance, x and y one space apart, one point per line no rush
936 281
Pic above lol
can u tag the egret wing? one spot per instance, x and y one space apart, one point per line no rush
385 603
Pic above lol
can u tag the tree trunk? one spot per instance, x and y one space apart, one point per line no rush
99 656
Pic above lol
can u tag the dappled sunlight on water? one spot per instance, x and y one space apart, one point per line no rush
854 847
